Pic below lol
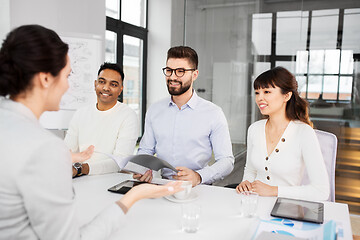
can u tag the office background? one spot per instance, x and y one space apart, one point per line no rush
319 41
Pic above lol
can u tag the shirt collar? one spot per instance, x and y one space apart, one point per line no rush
17 107
109 110
191 103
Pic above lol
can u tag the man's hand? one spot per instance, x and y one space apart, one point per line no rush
82 156
147 177
186 174
85 170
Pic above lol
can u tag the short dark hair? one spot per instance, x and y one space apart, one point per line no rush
112 66
26 51
184 52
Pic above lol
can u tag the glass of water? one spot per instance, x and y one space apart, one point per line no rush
190 220
248 203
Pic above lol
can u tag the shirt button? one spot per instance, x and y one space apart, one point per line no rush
283 139
267 158
268 178
276 150
266 168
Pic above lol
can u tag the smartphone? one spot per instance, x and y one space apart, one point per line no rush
124 186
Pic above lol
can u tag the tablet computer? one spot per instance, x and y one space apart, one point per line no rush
124 186
298 210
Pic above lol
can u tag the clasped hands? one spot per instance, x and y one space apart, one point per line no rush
184 174
259 187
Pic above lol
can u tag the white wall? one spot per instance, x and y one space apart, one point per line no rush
159 41
66 17
177 22
69 17
4 19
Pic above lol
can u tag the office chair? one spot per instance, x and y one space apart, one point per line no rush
328 145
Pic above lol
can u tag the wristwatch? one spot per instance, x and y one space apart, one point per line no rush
78 168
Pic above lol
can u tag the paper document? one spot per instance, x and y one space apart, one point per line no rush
135 168
151 162
120 161
139 163
275 236
297 229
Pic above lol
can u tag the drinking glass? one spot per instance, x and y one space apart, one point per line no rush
248 203
190 220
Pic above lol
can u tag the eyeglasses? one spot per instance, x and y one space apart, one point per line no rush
179 72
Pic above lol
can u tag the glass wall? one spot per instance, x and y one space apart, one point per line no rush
133 60
134 12
316 40
110 46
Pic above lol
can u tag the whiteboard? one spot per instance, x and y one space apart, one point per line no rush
85 57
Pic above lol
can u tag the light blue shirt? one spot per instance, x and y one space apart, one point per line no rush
187 137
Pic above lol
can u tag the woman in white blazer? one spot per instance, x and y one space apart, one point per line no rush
283 146
36 194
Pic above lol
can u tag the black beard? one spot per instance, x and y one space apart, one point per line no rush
182 89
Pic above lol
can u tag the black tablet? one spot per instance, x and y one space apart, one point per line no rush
124 186
298 210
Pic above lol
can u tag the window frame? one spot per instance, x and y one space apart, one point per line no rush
273 58
122 28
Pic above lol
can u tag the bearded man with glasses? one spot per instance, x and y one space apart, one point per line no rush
185 129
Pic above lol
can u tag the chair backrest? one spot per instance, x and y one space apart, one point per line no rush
328 145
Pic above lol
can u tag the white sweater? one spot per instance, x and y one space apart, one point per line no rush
298 150
114 131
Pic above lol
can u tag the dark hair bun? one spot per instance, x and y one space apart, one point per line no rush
28 50
10 75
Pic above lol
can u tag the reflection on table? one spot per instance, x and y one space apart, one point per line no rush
161 218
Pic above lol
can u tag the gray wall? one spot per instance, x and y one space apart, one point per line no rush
177 22
159 38
4 19
66 17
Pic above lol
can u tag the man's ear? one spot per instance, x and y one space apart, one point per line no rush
195 74
122 88
95 83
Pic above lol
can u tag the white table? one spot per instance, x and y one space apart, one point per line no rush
161 219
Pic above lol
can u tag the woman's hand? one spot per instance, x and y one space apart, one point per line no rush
244 186
264 189
143 191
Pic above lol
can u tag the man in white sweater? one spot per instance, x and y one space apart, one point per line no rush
108 126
